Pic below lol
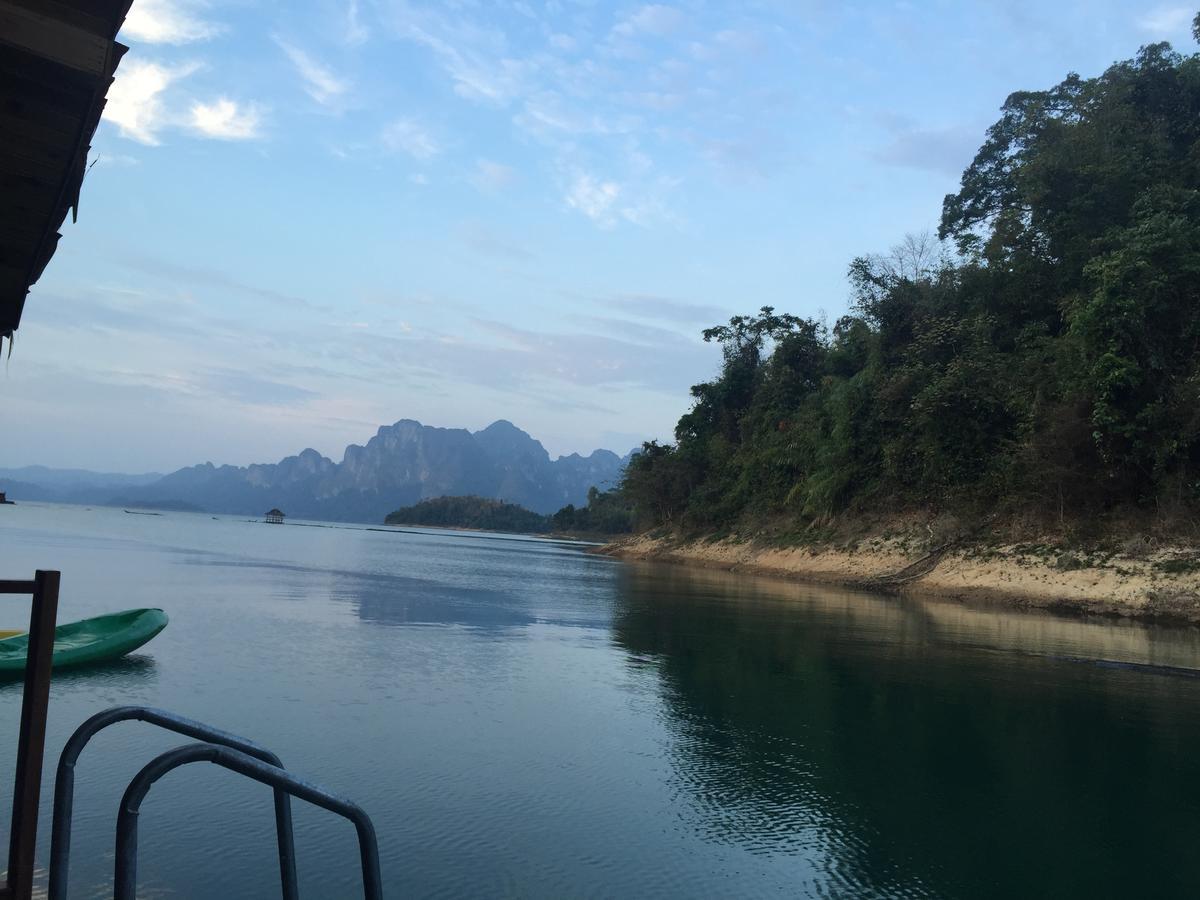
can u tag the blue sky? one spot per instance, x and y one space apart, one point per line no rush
306 220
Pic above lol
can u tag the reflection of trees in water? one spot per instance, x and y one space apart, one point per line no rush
396 600
910 767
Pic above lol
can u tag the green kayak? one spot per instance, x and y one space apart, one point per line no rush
88 641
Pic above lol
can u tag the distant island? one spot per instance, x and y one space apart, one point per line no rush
606 514
159 505
480 513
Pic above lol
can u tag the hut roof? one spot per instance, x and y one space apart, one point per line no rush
57 59
275 512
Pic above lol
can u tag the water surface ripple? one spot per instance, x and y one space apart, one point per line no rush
521 719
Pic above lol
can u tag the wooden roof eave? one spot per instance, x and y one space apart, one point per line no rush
57 62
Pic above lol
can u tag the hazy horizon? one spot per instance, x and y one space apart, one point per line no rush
304 224
336 455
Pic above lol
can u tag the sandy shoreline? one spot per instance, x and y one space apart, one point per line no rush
1163 585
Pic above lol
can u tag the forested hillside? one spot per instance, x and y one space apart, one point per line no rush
1041 357
471 512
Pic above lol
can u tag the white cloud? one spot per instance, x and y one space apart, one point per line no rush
167 22
406 136
595 199
492 176
319 81
135 99
487 76
226 120
1165 21
118 160
356 32
653 19
729 40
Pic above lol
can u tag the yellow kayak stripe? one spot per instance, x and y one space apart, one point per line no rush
4 634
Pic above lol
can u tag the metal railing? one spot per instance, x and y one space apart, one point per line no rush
125 876
64 788
220 747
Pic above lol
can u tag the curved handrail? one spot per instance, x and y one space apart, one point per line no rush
125 875
64 788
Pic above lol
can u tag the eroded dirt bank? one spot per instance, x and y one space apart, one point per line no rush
1163 584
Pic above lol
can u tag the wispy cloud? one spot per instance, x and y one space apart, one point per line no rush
583 358
608 202
477 59
595 199
355 31
652 19
666 309
320 82
489 242
1166 21
226 120
135 103
246 387
120 160
946 150
201 276
491 176
407 136
167 22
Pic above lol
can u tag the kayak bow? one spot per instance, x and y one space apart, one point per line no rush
88 641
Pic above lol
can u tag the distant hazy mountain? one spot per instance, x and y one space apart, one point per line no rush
68 485
401 465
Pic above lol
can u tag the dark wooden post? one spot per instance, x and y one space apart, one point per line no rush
31 743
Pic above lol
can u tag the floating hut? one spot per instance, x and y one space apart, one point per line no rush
275 516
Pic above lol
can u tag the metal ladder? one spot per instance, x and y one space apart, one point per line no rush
215 746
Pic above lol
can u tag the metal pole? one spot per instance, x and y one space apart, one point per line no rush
31 743
125 874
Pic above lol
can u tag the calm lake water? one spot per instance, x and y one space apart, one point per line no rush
521 719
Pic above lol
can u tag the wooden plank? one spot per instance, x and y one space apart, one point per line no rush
95 16
31 741
24 197
25 243
12 290
14 117
24 167
34 84
11 586
53 39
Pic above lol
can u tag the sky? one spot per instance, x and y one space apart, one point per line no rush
305 220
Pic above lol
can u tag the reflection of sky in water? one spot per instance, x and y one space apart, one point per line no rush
390 599
394 599
570 726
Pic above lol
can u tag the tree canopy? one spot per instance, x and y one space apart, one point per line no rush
1042 354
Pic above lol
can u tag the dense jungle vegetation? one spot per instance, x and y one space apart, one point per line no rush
606 513
1041 355
471 512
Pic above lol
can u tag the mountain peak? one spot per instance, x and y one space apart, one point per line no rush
502 425
505 442
400 465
